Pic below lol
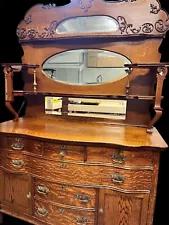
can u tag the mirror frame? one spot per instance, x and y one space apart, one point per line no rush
88 85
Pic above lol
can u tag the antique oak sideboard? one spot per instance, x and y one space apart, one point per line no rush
94 65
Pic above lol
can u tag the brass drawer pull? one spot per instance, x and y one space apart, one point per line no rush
117 178
17 163
43 190
63 166
42 212
63 153
63 188
117 158
83 198
17 145
82 220
61 210
63 147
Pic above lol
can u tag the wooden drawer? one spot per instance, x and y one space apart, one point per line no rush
13 162
21 144
83 174
62 216
120 158
64 194
64 152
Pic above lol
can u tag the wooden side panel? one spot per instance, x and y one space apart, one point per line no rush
16 192
128 209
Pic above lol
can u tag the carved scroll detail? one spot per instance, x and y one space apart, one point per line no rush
154 9
86 6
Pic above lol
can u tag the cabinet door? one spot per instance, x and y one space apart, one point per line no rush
116 208
16 192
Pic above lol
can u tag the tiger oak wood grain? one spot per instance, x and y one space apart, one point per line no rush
102 155
67 195
61 216
64 152
79 131
122 188
25 144
91 175
123 209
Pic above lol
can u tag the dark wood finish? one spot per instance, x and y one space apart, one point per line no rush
29 29
70 171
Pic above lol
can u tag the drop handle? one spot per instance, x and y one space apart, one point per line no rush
42 212
42 190
83 198
17 145
63 147
17 163
63 153
117 178
82 220
117 158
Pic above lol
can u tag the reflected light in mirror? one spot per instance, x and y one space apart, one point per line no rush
86 67
88 24
81 107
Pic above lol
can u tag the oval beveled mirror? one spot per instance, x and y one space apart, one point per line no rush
86 67
88 24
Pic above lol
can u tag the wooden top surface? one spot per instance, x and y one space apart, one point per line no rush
84 131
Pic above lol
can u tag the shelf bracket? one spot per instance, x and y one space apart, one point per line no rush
161 74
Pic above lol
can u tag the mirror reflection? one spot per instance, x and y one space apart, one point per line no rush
97 108
86 67
87 24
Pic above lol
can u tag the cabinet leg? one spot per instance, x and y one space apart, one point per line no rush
1 218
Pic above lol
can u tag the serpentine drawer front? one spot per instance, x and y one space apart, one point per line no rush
64 151
93 175
76 184
64 194
59 215
120 157
18 143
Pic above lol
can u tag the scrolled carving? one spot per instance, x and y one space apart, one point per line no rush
21 33
48 6
154 9
86 6
130 0
147 28
161 27
28 20
125 27
32 33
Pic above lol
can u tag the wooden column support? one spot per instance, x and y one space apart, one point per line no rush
9 97
161 74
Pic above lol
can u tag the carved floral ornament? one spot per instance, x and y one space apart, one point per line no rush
125 29
85 5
